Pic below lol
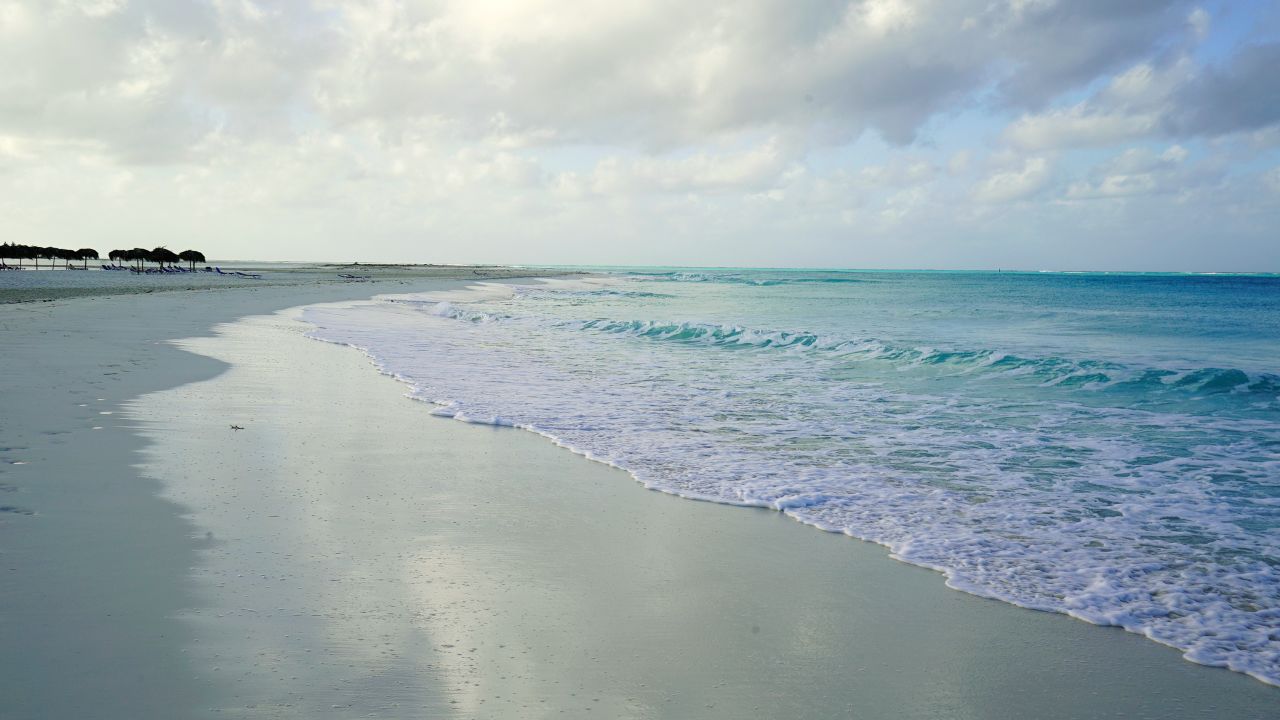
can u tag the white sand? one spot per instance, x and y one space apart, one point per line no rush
362 558
93 564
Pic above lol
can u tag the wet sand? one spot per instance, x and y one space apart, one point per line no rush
93 564
351 555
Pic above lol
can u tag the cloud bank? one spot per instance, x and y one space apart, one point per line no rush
906 133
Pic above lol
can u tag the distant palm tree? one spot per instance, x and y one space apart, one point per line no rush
192 257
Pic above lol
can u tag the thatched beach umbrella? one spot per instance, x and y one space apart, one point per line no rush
140 255
53 254
85 255
48 253
23 252
192 257
163 256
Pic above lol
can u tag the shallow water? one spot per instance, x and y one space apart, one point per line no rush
1106 446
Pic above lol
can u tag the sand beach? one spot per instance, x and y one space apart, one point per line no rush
94 561
347 554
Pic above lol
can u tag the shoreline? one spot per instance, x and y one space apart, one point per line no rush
456 393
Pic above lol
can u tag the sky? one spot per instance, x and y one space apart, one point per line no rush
1015 134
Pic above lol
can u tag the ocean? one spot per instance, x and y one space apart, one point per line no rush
1101 445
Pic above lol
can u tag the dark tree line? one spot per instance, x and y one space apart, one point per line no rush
161 256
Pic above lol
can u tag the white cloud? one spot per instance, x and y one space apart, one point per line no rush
1016 184
1272 179
903 171
1077 126
92 8
1113 186
1176 98
886 16
755 169
1199 21
1140 171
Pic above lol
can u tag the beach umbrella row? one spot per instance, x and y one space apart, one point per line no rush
160 255
13 251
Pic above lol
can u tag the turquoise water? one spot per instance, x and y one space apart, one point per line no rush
1106 446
